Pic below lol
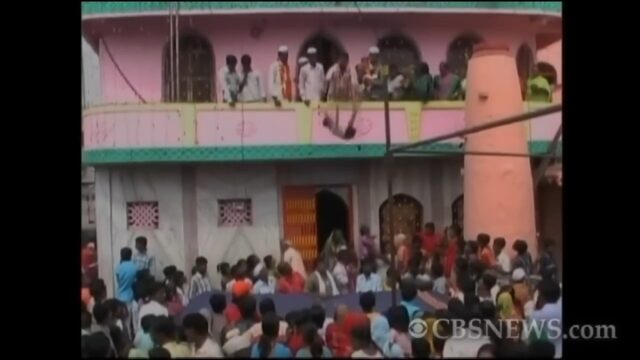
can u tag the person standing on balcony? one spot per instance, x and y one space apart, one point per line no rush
280 84
302 61
373 78
251 88
311 78
342 81
230 66
447 84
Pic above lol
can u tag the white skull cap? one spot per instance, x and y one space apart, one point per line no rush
283 49
374 50
311 50
303 60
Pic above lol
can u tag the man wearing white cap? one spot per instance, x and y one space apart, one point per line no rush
373 78
280 84
302 61
293 258
311 82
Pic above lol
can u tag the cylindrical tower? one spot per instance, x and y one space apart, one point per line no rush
498 190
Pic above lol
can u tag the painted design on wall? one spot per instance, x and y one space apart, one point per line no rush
132 129
246 129
224 127
143 215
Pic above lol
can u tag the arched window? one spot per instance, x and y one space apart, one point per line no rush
192 74
460 51
399 50
457 211
524 61
548 71
407 217
327 46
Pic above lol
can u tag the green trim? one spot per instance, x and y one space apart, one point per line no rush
255 153
94 8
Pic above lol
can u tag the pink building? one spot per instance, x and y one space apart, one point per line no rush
197 177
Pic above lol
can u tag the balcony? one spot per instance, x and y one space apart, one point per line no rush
169 132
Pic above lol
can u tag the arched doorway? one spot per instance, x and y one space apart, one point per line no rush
460 51
548 71
332 213
400 50
327 46
457 211
195 76
407 217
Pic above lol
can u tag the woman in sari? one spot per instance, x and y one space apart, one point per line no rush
507 312
334 244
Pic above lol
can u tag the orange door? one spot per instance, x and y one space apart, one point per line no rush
300 221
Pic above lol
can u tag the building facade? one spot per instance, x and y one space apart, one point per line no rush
198 177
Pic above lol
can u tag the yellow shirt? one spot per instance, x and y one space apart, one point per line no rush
177 350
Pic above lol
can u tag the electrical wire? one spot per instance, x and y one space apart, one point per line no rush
124 77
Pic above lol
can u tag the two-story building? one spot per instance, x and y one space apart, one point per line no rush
198 177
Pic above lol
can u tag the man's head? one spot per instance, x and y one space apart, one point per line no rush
103 314
263 275
232 61
169 272
408 289
224 269
159 353
196 327
156 292
163 330
146 323
218 303
454 232
471 247
542 349
312 55
96 345
141 244
520 247
245 61
364 230
374 54
444 68
283 53
98 290
367 301
285 244
341 313
429 228
320 266
367 268
284 269
267 306
125 254
269 262
483 240
201 265
398 318
343 60
498 244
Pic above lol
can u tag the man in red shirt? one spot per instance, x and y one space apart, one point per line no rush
238 291
337 339
290 281
430 239
454 235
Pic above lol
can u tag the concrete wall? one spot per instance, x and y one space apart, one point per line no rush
188 203
137 44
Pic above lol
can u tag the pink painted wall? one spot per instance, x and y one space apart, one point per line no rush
224 128
440 122
552 54
132 129
137 43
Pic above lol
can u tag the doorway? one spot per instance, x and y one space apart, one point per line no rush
328 49
332 213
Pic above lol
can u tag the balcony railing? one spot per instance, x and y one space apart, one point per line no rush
177 132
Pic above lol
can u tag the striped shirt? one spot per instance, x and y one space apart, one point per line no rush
199 284
142 261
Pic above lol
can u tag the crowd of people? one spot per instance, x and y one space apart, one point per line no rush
341 82
460 280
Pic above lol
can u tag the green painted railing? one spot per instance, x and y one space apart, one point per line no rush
122 7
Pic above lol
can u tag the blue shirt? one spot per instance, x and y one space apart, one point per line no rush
412 309
306 353
279 351
373 283
125 276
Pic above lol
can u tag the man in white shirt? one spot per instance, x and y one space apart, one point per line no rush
312 79
251 87
368 280
280 78
293 258
340 273
196 329
154 304
502 256
228 82
200 280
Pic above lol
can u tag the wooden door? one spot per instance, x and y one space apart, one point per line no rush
300 221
